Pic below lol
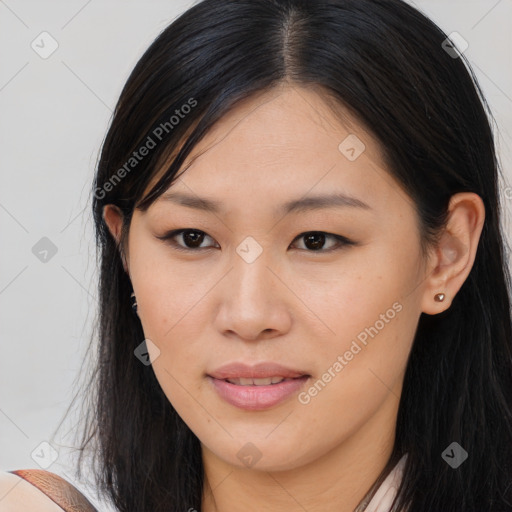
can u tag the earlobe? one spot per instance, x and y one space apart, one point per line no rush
453 257
113 218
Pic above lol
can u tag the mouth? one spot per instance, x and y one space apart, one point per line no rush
257 394
258 386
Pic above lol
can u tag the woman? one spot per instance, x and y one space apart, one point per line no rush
304 297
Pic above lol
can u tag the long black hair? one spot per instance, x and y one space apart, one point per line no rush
391 67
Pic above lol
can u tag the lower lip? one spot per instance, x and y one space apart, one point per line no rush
257 398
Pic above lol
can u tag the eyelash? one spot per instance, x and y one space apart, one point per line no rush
169 236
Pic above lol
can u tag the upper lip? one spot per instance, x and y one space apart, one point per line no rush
257 371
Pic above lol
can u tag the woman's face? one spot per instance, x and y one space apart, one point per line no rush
256 287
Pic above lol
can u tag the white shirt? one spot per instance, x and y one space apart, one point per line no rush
383 498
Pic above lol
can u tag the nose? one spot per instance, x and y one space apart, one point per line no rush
254 303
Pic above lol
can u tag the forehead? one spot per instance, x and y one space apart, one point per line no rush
284 124
286 143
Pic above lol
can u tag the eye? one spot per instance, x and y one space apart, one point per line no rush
192 239
315 241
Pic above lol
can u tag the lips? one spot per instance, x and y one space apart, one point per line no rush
259 397
257 387
239 373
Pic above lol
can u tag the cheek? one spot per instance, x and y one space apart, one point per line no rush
168 298
361 368
371 313
165 286
366 289
172 316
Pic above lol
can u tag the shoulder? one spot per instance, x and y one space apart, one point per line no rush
17 494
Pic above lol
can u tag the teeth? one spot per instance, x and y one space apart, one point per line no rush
241 381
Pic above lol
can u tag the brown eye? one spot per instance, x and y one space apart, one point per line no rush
191 239
314 241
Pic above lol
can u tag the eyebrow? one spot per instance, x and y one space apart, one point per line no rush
301 205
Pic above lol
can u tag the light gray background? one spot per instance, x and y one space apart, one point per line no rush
54 114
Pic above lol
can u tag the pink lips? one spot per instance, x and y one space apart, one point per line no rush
253 397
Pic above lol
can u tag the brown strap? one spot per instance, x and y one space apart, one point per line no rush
68 497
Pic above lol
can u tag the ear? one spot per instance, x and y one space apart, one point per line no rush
113 217
452 259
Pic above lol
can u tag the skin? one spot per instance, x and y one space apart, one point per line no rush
293 305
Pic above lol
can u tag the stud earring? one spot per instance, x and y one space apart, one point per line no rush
439 297
133 301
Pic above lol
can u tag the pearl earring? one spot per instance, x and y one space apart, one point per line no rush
439 297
